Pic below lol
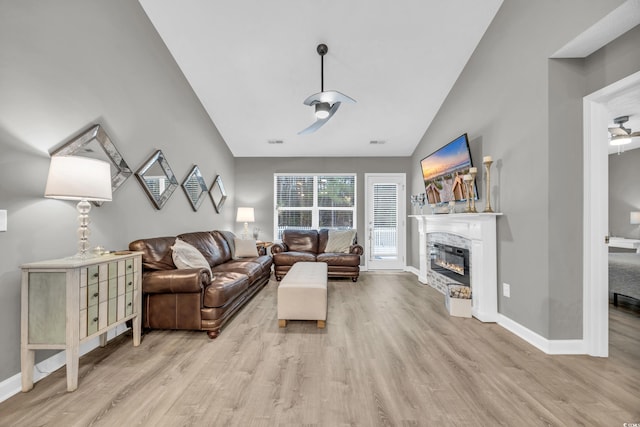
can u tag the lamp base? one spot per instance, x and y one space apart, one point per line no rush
83 207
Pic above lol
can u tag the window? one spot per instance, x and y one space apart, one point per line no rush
314 201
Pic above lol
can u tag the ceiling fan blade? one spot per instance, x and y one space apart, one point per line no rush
617 131
330 96
634 134
320 122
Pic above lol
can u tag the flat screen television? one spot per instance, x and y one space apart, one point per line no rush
443 171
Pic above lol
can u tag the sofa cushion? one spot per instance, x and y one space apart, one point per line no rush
229 237
245 248
339 259
301 240
340 240
185 255
290 258
249 268
215 250
224 288
156 252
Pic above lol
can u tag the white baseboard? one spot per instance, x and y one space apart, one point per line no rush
411 269
13 385
541 343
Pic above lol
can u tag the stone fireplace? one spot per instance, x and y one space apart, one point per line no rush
452 237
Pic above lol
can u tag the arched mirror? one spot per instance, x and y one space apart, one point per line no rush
157 179
95 143
195 188
217 193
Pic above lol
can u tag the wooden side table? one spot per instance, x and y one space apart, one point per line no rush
68 301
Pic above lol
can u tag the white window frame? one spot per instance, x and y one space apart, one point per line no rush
315 209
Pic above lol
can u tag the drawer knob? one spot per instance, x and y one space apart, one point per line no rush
95 274
96 295
130 283
129 304
129 267
95 319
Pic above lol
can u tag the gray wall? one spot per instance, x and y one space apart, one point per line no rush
624 193
65 65
507 99
254 181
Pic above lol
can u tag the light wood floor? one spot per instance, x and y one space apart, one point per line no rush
389 356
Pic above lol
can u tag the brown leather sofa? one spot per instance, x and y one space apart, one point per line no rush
190 298
309 246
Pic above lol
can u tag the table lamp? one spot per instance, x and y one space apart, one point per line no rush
79 178
245 215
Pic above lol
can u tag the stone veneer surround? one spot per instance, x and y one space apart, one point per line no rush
437 280
480 230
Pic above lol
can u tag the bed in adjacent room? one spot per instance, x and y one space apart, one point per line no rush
624 275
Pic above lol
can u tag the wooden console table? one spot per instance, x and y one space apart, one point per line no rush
68 301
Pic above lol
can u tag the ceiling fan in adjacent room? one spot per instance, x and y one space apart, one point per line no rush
621 135
326 103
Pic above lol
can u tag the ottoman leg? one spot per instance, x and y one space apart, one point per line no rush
321 324
282 323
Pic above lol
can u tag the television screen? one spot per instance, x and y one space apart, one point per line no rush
443 171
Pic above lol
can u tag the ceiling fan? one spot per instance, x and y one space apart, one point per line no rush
621 135
326 103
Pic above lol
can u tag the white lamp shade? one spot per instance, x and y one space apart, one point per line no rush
245 215
635 217
78 178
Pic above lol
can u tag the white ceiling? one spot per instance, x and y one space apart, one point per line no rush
253 62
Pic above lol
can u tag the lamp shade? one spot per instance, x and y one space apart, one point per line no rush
634 217
245 215
78 178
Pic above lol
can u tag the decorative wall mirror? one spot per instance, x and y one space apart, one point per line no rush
157 179
217 193
195 188
95 143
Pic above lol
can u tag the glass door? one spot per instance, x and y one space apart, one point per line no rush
385 219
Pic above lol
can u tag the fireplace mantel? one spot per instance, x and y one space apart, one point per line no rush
480 229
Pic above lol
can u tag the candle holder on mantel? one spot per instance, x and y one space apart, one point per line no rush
467 186
487 161
472 189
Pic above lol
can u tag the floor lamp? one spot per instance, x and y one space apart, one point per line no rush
79 178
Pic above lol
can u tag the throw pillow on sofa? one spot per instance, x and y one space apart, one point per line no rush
187 256
245 248
340 240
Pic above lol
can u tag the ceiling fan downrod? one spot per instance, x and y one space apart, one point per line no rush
322 50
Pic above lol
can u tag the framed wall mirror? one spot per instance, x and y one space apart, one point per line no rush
195 188
217 193
157 179
95 143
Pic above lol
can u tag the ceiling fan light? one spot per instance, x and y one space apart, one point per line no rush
322 110
620 140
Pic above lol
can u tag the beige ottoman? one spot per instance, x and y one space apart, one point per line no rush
302 294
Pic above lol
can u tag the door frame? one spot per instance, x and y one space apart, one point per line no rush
402 215
595 285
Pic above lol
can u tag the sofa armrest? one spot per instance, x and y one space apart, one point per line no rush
279 247
191 280
356 249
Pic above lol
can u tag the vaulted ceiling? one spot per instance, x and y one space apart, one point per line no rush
252 63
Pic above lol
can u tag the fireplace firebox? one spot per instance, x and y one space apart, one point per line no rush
451 261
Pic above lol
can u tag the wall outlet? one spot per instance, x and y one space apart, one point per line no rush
3 220
506 290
